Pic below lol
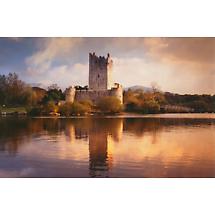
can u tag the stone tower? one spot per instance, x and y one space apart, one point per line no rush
70 94
100 72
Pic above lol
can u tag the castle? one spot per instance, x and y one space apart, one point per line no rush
100 82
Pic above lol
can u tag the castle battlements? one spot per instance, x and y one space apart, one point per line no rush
99 60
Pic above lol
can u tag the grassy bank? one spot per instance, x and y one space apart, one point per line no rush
13 110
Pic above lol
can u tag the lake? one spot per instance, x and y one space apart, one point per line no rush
168 145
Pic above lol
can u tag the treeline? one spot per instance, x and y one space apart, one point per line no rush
13 91
143 102
16 93
158 102
199 103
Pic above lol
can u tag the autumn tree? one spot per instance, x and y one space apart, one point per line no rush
110 104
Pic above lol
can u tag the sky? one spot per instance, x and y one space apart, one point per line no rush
179 65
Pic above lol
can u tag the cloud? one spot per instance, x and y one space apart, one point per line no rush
52 63
197 53
64 75
176 64
139 71
50 50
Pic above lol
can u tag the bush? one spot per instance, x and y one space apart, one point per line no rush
87 103
150 107
54 93
78 108
35 111
51 107
110 104
66 109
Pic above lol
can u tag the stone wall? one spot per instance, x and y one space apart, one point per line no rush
95 95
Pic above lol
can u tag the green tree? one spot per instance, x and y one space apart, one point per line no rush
35 110
54 93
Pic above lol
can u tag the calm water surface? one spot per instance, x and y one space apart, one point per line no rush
152 146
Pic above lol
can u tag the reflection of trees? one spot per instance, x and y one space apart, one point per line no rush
15 131
53 126
139 126
83 126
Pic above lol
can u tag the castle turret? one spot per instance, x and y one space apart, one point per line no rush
117 91
70 94
100 72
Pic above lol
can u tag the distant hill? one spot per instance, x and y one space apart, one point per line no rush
39 85
138 87
39 90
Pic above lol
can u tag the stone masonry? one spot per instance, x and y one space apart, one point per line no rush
100 82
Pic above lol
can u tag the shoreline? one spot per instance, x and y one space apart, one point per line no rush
127 115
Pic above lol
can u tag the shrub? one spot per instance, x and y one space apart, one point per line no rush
150 107
35 111
88 103
78 108
110 104
75 108
66 109
51 107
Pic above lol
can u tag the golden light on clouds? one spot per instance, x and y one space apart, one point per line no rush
180 65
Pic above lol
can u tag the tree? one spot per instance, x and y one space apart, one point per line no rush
78 108
66 109
50 107
82 107
13 91
155 87
110 104
150 106
88 103
2 89
131 101
54 93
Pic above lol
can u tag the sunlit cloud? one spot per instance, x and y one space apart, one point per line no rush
50 49
183 65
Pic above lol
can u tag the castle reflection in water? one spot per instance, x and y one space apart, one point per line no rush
107 147
100 137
